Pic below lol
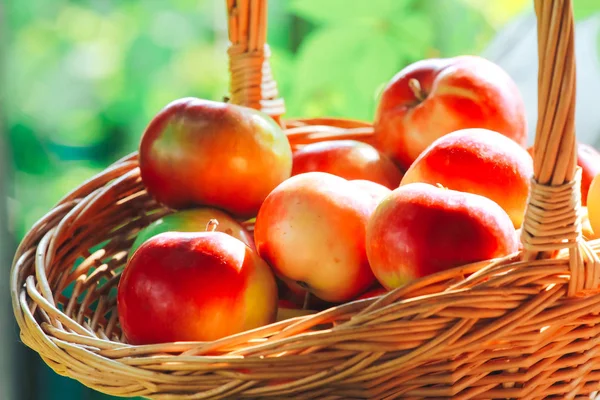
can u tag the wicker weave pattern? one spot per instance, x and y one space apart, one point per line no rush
251 81
525 326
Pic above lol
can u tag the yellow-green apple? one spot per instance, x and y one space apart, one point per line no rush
349 159
194 286
311 230
433 97
199 152
194 220
478 161
421 229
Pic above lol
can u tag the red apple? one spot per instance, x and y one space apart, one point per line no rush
433 97
199 152
478 161
421 229
202 286
588 158
194 220
349 159
375 190
311 230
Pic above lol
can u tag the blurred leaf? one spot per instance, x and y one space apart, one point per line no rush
340 12
460 28
80 128
379 61
78 23
173 29
28 153
20 14
199 70
343 79
321 57
341 66
144 53
585 8
279 30
283 64
34 198
413 35
496 13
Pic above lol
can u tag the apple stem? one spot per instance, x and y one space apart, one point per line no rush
212 225
416 88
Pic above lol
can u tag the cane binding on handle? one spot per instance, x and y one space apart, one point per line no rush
251 79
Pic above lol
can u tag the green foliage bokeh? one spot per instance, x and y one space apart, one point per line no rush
85 77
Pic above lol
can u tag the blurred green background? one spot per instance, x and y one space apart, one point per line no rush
82 78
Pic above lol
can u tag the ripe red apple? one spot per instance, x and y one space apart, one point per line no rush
375 190
588 158
199 152
194 220
433 97
421 229
478 161
311 230
202 286
349 159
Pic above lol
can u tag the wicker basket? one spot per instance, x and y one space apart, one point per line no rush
525 326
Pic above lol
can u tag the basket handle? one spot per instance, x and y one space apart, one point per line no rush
552 219
251 82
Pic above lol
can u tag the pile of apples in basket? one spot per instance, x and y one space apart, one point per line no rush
442 182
